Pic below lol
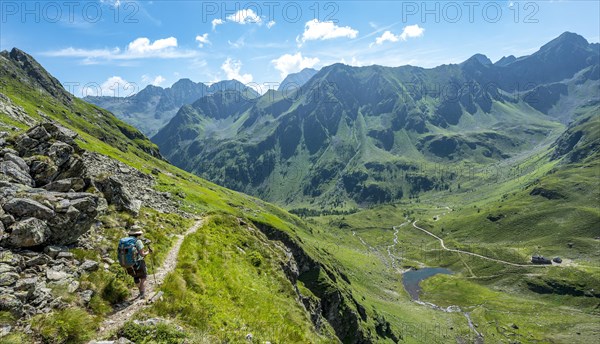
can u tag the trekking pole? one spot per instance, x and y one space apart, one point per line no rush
153 265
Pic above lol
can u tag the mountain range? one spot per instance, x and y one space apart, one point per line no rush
352 136
154 106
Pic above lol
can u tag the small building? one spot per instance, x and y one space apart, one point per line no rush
557 260
540 260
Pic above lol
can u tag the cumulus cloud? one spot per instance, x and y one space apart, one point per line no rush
410 31
287 63
157 81
143 46
139 48
202 40
216 22
270 24
245 16
232 70
318 30
115 86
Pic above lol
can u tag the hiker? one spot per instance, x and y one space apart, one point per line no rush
131 256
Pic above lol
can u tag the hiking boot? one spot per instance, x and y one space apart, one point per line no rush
142 296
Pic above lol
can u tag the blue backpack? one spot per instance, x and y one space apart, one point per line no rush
127 252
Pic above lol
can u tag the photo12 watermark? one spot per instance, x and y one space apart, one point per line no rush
68 12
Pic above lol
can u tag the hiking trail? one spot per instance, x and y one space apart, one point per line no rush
118 319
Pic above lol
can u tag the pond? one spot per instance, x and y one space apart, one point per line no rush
411 279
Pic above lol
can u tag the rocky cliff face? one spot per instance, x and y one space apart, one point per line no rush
51 194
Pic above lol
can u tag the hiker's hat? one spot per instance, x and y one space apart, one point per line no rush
135 230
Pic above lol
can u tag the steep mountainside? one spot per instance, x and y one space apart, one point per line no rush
295 80
73 178
153 107
353 136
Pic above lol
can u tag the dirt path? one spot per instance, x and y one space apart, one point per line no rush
471 253
118 319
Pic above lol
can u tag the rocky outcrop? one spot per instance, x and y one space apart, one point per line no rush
38 184
127 187
15 112
333 303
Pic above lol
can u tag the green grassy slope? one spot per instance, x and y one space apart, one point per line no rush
231 279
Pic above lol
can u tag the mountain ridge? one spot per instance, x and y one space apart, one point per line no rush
344 132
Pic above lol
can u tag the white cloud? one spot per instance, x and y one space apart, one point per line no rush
410 31
287 63
270 24
232 70
245 16
157 81
216 22
318 30
115 86
142 45
240 42
137 49
202 40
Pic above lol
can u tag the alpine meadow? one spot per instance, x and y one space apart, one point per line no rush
189 172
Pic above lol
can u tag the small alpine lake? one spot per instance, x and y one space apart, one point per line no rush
411 279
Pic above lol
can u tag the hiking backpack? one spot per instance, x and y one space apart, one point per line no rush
127 252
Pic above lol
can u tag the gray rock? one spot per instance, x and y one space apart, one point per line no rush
86 296
7 220
65 255
65 185
89 265
8 278
7 268
11 304
41 259
53 251
116 193
14 173
17 160
24 207
9 258
56 275
38 133
42 170
60 153
28 233
72 286
26 284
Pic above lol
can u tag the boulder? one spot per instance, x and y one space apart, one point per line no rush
60 153
66 185
28 233
65 255
56 274
9 258
89 265
24 207
8 278
26 284
116 193
14 173
8 156
53 251
11 304
42 169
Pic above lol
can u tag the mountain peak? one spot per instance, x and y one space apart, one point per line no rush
505 60
37 74
565 41
480 58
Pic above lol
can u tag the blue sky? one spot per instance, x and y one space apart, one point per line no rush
131 44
